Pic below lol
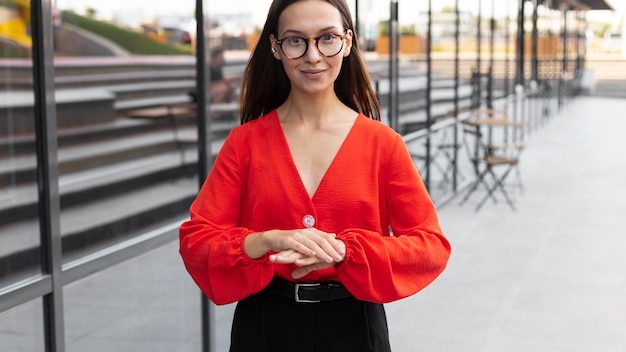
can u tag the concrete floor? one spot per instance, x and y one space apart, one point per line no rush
550 277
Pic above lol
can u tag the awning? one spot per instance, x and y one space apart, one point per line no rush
584 5
596 4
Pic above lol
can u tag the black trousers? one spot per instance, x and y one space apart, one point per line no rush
267 321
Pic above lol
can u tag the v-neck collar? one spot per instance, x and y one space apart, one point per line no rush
292 165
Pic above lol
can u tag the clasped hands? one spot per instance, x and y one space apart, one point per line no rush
310 249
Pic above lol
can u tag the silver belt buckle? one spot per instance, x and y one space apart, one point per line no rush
297 292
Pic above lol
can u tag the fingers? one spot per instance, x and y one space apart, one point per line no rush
305 270
324 245
286 257
334 249
292 257
306 265
309 249
308 242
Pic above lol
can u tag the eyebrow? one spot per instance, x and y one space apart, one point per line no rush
294 31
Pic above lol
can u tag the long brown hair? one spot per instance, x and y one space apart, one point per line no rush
265 85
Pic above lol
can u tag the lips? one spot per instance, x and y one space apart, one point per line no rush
313 73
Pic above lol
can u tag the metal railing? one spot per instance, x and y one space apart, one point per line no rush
443 153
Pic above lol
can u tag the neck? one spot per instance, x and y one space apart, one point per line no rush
318 108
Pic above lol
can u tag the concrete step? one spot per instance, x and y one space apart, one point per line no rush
137 90
103 166
116 182
118 78
83 72
72 105
90 226
103 204
612 89
91 155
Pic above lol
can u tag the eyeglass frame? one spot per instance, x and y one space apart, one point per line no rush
343 37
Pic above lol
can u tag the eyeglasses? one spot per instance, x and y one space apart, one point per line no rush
327 44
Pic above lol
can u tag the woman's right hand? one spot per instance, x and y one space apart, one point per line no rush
308 242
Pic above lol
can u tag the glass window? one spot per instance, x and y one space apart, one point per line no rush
127 137
147 303
21 328
19 228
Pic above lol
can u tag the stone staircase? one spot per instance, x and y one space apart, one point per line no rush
114 180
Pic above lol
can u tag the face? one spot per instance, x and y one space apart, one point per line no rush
313 72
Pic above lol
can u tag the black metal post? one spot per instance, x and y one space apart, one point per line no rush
507 46
47 172
429 85
519 75
534 58
479 36
357 19
578 70
394 46
535 39
457 48
564 59
203 103
491 82
204 151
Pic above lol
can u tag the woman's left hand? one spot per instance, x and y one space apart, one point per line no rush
306 264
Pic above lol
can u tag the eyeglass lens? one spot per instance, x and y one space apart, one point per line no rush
327 44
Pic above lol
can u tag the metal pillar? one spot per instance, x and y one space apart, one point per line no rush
457 46
429 85
479 35
357 19
564 59
491 81
519 75
535 39
204 153
507 64
394 44
579 66
47 173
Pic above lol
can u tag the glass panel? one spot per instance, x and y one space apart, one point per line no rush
19 230
127 139
145 304
21 328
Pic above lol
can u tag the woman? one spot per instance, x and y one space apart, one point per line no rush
293 222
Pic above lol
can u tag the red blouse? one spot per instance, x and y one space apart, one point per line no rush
371 185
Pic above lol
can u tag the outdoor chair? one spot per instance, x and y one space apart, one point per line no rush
495 153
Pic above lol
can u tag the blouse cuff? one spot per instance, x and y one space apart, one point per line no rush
347 239
245 258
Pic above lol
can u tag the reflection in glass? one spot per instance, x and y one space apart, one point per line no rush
21 328
126 119
19 231
144 304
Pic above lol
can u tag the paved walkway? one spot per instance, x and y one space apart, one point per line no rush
549 277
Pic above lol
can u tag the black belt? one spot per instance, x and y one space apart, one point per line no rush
309 292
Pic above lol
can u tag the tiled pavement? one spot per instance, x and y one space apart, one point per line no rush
550 277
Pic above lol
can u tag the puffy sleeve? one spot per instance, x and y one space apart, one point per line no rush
381 268
211 243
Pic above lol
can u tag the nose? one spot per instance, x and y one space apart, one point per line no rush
312 53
